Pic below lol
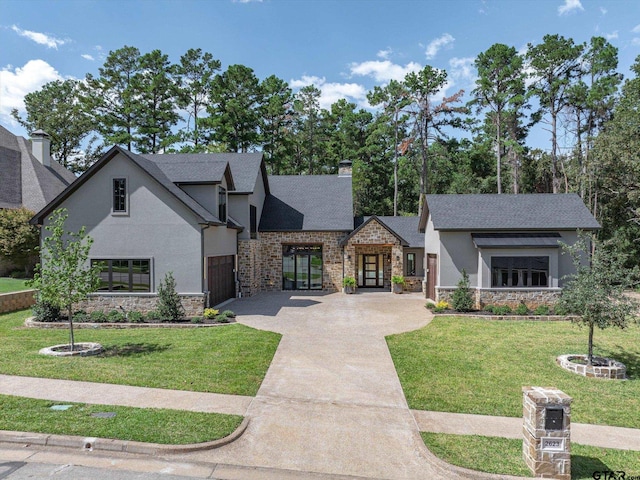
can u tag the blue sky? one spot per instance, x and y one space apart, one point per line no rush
343 47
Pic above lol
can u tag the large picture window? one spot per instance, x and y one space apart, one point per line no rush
124 275
302 267
119 195
410 265
519 272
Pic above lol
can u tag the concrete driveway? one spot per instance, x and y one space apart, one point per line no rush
331 401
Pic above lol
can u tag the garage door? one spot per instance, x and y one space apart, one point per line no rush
222 284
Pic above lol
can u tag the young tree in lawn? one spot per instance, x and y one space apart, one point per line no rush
18 239
64 276
595 294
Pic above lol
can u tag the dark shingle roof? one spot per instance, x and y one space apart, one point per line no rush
245 168
24 180
308 202
406 227
539 211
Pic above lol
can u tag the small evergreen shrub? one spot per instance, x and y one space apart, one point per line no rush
169 304
98 316
135 317
462 299
522 309
229 313
542 310
115 316
489 308
223 318
430 305
45 312
153 316
560 310
81 316
210 313
502 310
197 320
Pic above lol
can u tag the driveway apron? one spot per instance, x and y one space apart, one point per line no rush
331 401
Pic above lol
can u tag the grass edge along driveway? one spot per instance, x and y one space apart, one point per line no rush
479 366
229 359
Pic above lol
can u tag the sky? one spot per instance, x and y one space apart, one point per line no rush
344 47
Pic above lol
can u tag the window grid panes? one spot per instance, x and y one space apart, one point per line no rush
124 275
222 204
302 267
519 272
119 194
411 265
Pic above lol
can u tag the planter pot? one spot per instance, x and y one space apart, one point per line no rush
349 289
397 288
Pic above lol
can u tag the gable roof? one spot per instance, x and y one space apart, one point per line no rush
199 168
374 218
245 168
151 168
25 181
537 211
405 227
308 202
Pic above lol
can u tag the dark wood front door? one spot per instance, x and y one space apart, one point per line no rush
432 275
372 268
220 278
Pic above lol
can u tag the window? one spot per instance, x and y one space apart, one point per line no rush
124 275
253 220
222 204
519 272
119 195
302 267
410 265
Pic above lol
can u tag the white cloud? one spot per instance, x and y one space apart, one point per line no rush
635 42
463 72
383 71
384 54
436 45
570 6
331 92
636 29
39 38
15 83
86 56
612 35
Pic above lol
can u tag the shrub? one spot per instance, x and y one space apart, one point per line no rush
489 308
98 316
462 300
542 310
210 313
397 280
153 315
522 309
81 316
348 282
46 312
229 313
502 310
115 316
135 317
223 318
17 274
441 306
560 310
169 304
430 305
196 320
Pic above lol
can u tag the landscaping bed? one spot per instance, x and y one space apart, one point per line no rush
467 365
231 360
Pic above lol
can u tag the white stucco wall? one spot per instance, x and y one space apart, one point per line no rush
457 252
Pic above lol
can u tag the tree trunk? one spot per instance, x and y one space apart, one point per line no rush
555 183
590 355
498 154
395 167
71 339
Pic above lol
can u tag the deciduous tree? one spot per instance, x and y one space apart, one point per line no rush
19 240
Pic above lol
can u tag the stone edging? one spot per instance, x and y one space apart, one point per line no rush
112 445
31 323
613 371
537 318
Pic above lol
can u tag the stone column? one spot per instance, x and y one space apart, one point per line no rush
546 447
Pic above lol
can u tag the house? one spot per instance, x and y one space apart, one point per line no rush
508 244
224 228
29 177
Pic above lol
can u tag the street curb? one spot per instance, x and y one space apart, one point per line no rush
112 445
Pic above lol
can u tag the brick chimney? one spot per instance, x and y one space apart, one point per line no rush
41 147
344 168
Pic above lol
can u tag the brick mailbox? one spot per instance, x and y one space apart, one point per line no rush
546 447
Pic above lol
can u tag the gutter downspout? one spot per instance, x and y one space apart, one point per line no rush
203 267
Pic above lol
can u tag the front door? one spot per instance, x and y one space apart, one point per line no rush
371 271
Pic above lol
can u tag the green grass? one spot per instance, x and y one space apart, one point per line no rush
155 425
504 456
8 285
232 359
480 366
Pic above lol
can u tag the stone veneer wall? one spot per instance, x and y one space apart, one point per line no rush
413 284
193 304
249 266
271 257
10 302
502 296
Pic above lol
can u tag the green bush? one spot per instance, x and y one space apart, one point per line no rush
115 316
81 316
98 316
489 308
462 299
135 317
542 310
502 310
522 309
210 313
223 318
348 282
430 305
397 280
153 315
229 313
45 312
196 320
169 304
560 310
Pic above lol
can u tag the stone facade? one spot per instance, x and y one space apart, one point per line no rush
193 304
547 452
373 238
502 296
10 302
270 266
249 267
413 284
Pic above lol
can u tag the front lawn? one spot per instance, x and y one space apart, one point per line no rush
480 366
8 285
175 427
231 359
504 456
